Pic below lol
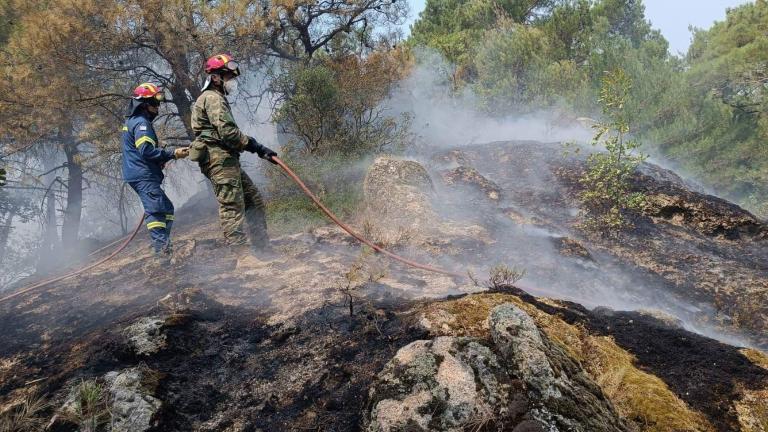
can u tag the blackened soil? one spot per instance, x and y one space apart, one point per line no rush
706 374
312 374
232 371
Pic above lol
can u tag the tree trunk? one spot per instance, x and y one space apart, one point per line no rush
71 227
45 258
121 211
6 221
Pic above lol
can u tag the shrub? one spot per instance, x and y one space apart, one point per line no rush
606 195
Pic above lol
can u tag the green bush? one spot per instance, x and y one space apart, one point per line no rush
335 179
606 196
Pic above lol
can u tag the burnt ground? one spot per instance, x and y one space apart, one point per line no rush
708 375
279 353
697 256
230 370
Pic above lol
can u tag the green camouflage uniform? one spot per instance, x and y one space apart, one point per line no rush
217 147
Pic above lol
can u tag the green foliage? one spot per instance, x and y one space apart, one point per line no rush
335 105
713 117
516 71
332 111
90 410
335 179
606 196
520 58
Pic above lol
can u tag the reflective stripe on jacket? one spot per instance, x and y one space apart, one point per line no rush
143 159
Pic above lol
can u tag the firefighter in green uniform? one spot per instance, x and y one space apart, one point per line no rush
217 147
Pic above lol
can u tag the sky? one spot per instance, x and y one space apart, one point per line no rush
672 17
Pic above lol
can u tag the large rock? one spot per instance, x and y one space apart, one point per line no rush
146 336
446 384
399 211
563 393
517 381
397 197
133 404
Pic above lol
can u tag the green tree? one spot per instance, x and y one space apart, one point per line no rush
713 115
607 196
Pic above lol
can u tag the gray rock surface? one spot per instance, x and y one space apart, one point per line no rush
518 381
146 336
399 210
133 404
561 392
447 384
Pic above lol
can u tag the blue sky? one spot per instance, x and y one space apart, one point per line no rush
672 17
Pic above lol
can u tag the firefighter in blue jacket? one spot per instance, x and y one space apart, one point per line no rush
143 161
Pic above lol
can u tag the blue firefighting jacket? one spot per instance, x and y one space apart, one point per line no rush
143 160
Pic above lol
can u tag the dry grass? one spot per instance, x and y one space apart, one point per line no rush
757 357
639 397
642 399
24 416
752 409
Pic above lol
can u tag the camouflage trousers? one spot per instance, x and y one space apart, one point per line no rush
239 202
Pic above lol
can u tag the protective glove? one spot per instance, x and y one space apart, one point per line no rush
264 152
181 153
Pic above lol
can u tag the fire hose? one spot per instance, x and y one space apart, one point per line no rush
303 187
351 232
77 272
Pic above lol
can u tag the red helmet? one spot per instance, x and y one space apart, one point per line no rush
222 63
148 91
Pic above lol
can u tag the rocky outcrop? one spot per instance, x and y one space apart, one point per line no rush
399 212
133 404
689 210
565 396
446 384
471 177
145 336
460 383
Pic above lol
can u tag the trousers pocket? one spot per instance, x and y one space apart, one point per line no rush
198 152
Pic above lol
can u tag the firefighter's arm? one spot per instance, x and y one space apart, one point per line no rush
146 144
220 116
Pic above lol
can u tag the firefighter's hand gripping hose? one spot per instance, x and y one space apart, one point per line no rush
349 230
77 272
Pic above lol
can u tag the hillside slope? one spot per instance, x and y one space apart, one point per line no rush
314 339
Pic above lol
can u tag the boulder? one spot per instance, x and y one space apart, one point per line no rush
561 392
397 196
399 212
133 404
446 384
472 178
146 336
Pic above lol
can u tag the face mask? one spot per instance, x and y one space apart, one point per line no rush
230 86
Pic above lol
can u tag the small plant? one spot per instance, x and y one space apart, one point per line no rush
89 408
25 416
500 276
606 195
364 270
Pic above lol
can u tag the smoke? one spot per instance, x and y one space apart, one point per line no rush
443 120
446 118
